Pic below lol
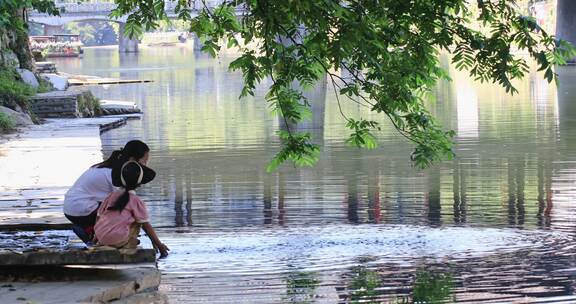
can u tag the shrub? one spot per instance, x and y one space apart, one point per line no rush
6 123
14 92
44 86
89 105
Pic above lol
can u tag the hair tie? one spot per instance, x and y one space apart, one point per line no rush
140 176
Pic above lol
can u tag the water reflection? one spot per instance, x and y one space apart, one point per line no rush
301 287
515 168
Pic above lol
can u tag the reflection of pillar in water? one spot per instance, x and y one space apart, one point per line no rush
460 198
178 202
281 190
516 210
188 179
267 199
351 198
434 208
544 192
374 214
128 60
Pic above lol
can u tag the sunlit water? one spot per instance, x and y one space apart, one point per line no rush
496 223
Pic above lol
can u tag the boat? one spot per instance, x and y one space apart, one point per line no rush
58 45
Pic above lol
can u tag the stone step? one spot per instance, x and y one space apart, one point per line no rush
92 256
84 285
46 67
117 107
63 104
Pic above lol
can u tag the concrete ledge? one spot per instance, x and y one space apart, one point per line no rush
77 257
154 297
117 107
81 285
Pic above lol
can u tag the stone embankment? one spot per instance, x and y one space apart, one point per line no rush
77 103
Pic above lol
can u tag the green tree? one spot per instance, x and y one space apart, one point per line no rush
12 13
389 49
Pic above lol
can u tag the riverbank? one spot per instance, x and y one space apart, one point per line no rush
38 165
40 162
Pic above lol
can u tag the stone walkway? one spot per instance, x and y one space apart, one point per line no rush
38 165
78 285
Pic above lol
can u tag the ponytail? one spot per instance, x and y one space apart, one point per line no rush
111 161
134 149
121 202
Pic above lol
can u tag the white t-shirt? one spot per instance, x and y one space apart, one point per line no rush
91 187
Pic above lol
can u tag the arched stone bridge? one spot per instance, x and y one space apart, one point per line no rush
74 12
100 11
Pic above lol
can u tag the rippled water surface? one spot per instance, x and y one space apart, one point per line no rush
496 224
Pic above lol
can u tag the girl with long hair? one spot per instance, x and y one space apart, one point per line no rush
83 198
123 213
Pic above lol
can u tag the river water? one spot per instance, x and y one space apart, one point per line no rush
496 224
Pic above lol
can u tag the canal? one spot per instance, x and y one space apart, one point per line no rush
363 226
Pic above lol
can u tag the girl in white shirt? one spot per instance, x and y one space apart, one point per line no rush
83 198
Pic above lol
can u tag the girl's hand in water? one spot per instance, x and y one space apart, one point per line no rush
163 250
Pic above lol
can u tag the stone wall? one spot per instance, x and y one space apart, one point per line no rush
44 67
62 104
55 104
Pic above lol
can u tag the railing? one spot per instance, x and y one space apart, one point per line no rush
106 7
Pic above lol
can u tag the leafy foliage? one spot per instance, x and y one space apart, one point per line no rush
11 11
389 49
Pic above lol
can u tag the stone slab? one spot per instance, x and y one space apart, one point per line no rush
92 256
77 285
153 297
115 107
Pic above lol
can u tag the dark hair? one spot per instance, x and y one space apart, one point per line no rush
133 148
130 172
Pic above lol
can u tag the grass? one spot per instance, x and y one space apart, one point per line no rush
44 86
14 92
7 124
89 105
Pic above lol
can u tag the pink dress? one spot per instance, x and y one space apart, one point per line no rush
113 226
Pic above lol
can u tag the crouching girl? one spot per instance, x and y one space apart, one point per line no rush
122 213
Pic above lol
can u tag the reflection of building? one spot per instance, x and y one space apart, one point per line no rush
467 108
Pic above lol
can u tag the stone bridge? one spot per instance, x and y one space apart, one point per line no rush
90 11
100 11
